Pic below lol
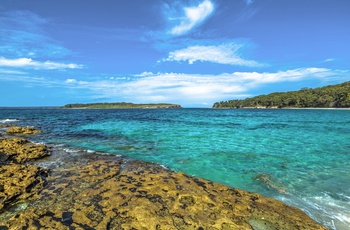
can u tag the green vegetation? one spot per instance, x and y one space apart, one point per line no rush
333 96
120 105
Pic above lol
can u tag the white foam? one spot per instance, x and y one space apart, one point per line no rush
8 120
337 210
334 213
70 150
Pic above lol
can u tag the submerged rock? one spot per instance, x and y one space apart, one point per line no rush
111 193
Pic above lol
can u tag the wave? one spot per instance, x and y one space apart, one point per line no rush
334 213
8 120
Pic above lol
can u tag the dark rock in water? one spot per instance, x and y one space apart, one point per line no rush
6 125
67 218
3 158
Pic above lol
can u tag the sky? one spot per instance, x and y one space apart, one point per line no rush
189 52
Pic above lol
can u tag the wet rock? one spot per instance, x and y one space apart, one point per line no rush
111 193
3 158
20 150
20 182
18 130
6 125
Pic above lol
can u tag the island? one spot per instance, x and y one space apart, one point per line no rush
332 96
122 105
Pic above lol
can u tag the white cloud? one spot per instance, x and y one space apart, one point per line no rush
71 81
193 16
11 72
222 54
329 60
144 74
190 89
29 63
185 89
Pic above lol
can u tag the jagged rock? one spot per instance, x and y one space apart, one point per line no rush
19 182
109 193
20 150
18 130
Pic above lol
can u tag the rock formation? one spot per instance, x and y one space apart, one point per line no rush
20 150
18 130
92 191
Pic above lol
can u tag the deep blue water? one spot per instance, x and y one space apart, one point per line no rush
301 157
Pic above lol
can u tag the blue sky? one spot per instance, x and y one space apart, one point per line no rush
190 52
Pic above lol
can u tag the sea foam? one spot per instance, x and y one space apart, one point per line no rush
8 120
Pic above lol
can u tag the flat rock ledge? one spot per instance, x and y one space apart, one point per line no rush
20 182
107 192
19 150
114 194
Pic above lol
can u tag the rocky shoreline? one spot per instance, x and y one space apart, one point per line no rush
85 190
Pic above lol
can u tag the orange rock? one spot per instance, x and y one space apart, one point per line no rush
17 130
20 182
20 150
109 193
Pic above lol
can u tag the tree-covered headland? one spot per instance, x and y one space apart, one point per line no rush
332 96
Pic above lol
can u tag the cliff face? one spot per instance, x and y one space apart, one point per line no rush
90 191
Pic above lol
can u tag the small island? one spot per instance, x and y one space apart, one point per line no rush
122 105
332 96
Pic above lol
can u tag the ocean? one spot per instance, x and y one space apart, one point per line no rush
298 156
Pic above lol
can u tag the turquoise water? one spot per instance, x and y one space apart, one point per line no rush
301 157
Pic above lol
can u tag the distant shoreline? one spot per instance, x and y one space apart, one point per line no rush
314 108
121 105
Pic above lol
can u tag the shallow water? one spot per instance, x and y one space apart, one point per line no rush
301 157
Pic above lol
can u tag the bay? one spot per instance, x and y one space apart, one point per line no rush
301 157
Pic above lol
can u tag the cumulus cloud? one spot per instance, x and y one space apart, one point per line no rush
222 54
192 17
185 89
29 63
191 89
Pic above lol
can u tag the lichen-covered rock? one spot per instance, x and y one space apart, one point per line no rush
18 130
111 193
20 182
20 150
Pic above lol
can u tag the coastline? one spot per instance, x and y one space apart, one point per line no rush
314 108
87 190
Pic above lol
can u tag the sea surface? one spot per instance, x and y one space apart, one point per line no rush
301 157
